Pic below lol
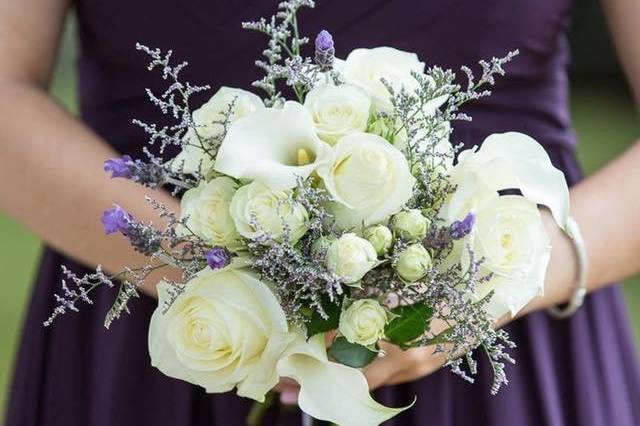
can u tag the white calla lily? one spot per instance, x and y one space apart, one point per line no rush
516 161
273 146
308 365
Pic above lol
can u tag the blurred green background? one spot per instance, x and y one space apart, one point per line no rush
604 119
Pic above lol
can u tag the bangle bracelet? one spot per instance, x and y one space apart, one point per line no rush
573 232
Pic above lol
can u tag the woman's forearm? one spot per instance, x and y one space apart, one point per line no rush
51 180
607 207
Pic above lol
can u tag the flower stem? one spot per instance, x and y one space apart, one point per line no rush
259 409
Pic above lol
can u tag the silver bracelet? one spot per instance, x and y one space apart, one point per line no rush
573 231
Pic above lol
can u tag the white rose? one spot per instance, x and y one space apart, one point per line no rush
380 238
368 178
366 68
227 330
351 257
274 146
205 119
270 209
511 238
410 225
363 322
413 263
338 110
207 209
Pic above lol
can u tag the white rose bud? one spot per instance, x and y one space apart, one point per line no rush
207 209
338 110
410 225
380 238
351 257
413 263
363 322
256 202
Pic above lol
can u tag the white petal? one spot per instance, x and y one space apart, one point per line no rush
366 195
264 376
516 161
264 146
511 295
330 391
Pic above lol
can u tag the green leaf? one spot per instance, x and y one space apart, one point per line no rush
410 322
316 324
351 354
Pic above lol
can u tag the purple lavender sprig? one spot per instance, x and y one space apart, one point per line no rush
143 237
218 257
116 219
461 228
151 174
325 50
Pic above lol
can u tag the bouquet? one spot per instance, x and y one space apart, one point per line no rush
338 212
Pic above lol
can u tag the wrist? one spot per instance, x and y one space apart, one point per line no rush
561 274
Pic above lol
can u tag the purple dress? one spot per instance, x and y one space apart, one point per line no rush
582 371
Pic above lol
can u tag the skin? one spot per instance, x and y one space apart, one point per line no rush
39 167
58 163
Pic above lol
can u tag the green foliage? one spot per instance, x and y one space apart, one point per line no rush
351 354
410 322
317 324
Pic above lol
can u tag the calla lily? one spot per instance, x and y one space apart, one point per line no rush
308 365
273 146
516 161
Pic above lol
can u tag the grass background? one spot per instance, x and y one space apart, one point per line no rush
604 119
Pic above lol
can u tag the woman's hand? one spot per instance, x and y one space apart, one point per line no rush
398 366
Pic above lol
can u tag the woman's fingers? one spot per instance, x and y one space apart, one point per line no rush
288 390
384 367
398 366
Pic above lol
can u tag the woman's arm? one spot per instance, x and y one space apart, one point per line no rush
51 177
606 206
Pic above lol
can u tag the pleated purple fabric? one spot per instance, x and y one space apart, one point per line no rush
582 371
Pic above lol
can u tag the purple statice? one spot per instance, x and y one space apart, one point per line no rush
325 50
461 228
217 258
119 167
116 219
